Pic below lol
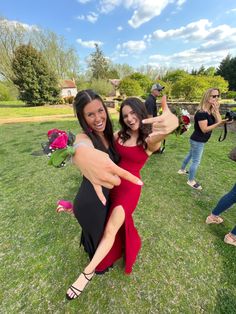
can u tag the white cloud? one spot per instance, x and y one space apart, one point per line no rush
213 44
188 59
91 17
89 43
144 10
132 46
13 24
119 28
222 36
231 11
107 6
194 30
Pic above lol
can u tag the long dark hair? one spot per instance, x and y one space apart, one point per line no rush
83 98
140 110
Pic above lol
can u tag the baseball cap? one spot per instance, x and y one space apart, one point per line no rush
158 87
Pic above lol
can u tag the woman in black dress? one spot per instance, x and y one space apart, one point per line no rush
90 212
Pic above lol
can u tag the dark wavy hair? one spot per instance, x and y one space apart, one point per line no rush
83 98
140 110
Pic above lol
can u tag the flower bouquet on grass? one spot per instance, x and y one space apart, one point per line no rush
59 147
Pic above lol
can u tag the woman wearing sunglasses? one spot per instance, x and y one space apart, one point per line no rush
206 119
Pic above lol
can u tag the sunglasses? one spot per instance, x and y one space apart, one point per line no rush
214 96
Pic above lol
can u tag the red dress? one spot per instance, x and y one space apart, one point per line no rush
127 195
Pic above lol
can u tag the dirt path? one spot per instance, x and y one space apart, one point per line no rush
57 117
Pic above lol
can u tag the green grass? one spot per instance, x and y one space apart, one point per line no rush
183 266
22 111
11 103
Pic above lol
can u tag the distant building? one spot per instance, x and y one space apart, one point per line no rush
68 88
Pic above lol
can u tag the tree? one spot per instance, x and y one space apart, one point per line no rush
192 87
98 64
144 82
36 84
175 75
61 59
227 70
130 87
123 70
11 36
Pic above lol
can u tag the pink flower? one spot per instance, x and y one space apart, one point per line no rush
56 132
60 142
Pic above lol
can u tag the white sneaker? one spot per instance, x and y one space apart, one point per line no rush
195 185
182 171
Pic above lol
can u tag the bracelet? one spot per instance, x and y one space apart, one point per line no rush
82 143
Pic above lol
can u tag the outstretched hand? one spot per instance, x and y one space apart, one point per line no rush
164 124
100 170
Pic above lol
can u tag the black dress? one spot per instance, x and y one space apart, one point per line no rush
91 214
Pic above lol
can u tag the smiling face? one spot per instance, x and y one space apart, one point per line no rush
130 118
95 116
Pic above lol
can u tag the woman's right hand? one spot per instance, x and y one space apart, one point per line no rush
100 170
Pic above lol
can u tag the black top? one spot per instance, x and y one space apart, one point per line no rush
198 135
151 106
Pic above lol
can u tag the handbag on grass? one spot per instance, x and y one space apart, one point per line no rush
232 154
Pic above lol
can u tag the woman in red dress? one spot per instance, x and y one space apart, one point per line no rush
135 143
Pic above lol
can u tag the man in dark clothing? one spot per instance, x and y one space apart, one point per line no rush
151 106
150 102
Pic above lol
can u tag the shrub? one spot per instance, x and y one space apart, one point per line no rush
130 87
230 95
69 99
102 87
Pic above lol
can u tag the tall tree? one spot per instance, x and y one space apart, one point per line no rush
61 58
123 70
11 36
36 84
98 64
227 70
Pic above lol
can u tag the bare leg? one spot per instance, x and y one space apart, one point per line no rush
114 223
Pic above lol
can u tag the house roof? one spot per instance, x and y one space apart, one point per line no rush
67 84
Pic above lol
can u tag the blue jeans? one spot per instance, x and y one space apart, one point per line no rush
226 202
195 153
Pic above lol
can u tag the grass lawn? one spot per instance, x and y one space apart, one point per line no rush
20 110
183 266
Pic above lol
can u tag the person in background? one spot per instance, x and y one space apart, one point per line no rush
206 119
224 203
150 102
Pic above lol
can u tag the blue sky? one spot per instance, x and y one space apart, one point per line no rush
162 33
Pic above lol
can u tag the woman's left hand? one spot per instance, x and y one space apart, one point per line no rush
163 124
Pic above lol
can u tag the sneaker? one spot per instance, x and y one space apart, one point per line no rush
212 219
230 239
195 185
182 171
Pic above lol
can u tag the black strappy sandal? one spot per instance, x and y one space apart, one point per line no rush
77 291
